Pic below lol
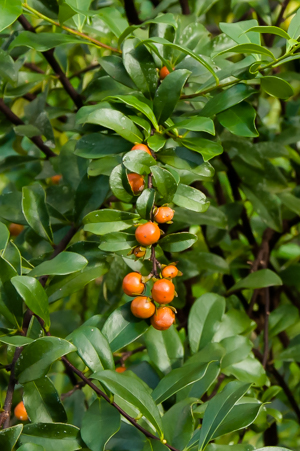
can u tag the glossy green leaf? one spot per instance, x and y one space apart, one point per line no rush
31 447
100 422
258 279
51 436
44 41
10 207
140 66
294 27
34 296
205 316
10 11
16 340
226 99
122 328
164 348
139 103
237 349
118 242
190 198
239 120
290 201
116 121
98 145
276 87
35 210
207 148
196 124
42 402
178 423
93 348
114 67
248 370
281 318
270 30
4 236
10 301
156 142
132 390
8 70
101 222
291 353
119 184
161 19
90 193
243 447
177 242
63 263
168 94
235 31
145 202
104 166
138 161
218 408
38 356
9 437
165 182
249 49
178 379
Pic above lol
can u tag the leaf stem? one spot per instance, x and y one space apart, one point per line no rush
70 30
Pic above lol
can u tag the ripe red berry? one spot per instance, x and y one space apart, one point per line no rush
163 318
163 291
132 284
147 234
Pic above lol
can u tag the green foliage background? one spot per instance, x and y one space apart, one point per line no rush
79 86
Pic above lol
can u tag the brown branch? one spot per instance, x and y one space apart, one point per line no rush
5 415
49 55
37 140
34 68
126 355
131 12
83 71
118 408
185 8
74 389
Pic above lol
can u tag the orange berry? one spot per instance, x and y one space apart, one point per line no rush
142 307
164 71
163 214
139 252
169 272
120 369
20 412
163 291
15 229
142 147
147 234
56 179
163 318
132 284
136 182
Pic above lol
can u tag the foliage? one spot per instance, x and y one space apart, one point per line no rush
80 86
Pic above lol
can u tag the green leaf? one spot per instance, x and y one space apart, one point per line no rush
239 120
281 318
177 242
184 159
42 402
122 328
35 210
63 263
218 408
196 124
145 202
243 447
100 422
162 41
38 356
161 19
16 340
4 236
34 296
132 390
178 379
258 279
290 201
272 448
248 370
31 447
265 204
237 349
156 141
294 27
234 322
164 348
52 436
276 86
103 166
65 285
207 148
8 68
118 242
93 348
139 103
168 94
205 261
164 182
44 41
90 193
249 49
190 198
105 221
138 161
119 184
98 145
10 207
204 318
140 66
235 31
270 30
114 120
291 353
178 423
10 11
226 99
9 437
114 67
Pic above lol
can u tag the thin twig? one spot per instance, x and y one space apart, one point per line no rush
83 71
74 389
49 55
37 140
185 7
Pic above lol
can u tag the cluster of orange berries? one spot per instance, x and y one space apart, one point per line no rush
163 292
